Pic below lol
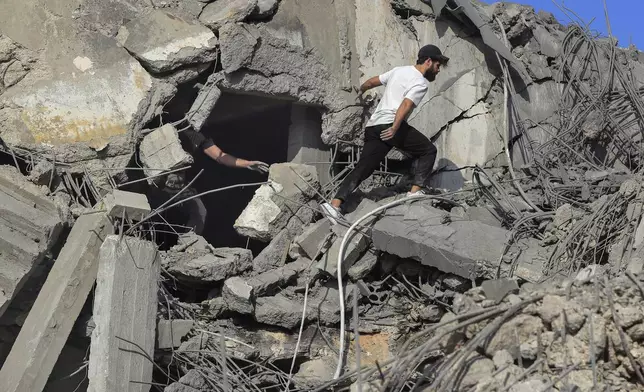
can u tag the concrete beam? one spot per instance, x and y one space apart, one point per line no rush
125 307
305 143
29 227
52 316
469 249
132 205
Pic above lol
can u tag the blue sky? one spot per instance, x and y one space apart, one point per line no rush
626 16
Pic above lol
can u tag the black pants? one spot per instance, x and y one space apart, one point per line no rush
407 139
196 211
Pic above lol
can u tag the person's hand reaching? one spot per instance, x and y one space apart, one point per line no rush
258 166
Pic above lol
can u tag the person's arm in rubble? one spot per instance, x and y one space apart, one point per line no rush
199 141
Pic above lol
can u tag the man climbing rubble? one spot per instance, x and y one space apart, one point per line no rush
405 87
192 213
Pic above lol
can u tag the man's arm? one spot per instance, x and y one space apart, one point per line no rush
199 142
370 83
403 111
221 157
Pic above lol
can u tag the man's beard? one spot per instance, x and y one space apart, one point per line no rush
430 75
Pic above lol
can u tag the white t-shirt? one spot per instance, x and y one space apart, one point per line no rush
400 83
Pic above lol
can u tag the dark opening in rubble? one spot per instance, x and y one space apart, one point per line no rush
245 126
249 127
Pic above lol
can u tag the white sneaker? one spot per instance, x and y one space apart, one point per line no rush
416 194
331 213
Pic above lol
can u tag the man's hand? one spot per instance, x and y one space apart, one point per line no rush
388 133
258 166
363 98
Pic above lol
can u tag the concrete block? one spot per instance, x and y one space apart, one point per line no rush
497 289
278 311
305 143
193 381
363 266
268 282
161 151
214 266
203 105
170 332
125 306
356 245
275 254
216 14
313 236
274 204
130 205
315 372
164 42
238 295
419 231
59 303
264 9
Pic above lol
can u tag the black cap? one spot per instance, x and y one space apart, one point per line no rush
432 52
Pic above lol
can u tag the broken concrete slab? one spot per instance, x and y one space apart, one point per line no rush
208 267
238 295
76 117
203 105
161 150
30 224
269 282
191 243
124 204
220 12
185 74
125 312
469 249
290 185
248 54
305 143
357 242
279 311
59 303
264 9
164 42
171 332
497 289
355 247
275 254
193 381
363 266
44 173
325 306
481 214
311 240
314 373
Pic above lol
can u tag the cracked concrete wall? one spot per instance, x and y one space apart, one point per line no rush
71 90
458 111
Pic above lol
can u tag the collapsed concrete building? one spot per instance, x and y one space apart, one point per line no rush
499 284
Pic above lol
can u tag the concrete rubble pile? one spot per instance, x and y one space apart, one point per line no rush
525 274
